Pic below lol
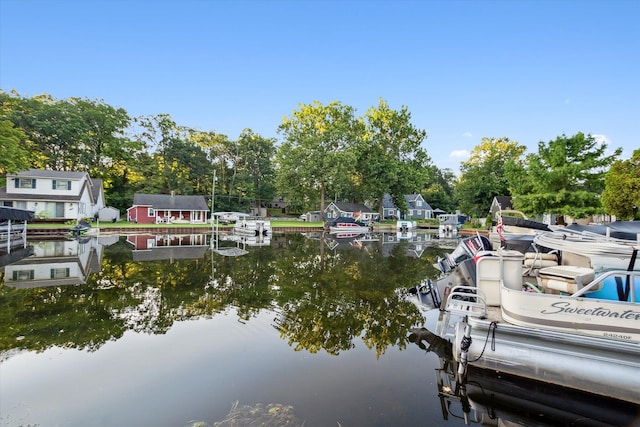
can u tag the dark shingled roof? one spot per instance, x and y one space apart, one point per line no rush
353 207
168 202
38 173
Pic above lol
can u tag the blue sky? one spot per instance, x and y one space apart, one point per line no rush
526 70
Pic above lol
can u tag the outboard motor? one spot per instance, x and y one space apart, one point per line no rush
467 248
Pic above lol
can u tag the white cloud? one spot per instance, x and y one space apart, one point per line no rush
602 139
459 154
467 134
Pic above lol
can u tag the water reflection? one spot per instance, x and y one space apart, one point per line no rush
324 300
57 263
150 247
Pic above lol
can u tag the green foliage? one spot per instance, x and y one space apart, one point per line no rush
339 298
317 156
439 190
326 151
621 196
390 158
565 177
485 175
15 155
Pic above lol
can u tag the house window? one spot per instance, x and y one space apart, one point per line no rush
59 273
61 184
419 203
22 275
150 212
21 205
25 183
82 207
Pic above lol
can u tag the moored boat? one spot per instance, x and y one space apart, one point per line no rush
257 227
514 231
348 225
598 251
448 224
553 326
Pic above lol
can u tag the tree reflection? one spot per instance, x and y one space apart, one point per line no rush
321 299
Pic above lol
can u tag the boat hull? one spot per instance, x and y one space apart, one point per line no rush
596 365
597 317
350 229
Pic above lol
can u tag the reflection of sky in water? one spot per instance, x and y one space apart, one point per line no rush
197 370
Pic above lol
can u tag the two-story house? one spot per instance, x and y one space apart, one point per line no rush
56 195
417 208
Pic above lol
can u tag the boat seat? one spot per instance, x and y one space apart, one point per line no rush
565 278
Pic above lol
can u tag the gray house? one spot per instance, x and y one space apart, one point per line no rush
417 208
350 210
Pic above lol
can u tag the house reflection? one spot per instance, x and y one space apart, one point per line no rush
416 242
58 263
155 247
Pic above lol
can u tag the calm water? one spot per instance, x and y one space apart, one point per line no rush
164 331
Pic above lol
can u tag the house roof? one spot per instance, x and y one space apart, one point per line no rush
96 188
47 197
411 199
504 201
38 173
169 202
352 207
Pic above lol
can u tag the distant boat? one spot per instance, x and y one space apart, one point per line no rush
80 229
448 224
258 227
348 225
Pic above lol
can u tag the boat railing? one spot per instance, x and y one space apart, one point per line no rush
467 301
461 301
598 282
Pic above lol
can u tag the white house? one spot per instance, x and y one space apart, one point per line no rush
54 194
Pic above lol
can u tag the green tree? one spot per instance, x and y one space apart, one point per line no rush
621 195
15 155
390 157
566 177
256 166
158 133
439 190
484 175
53 127
317 154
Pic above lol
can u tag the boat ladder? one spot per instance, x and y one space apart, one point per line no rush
461 301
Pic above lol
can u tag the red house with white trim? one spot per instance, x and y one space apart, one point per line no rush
165 208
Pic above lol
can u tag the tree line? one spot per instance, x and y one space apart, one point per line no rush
326 152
